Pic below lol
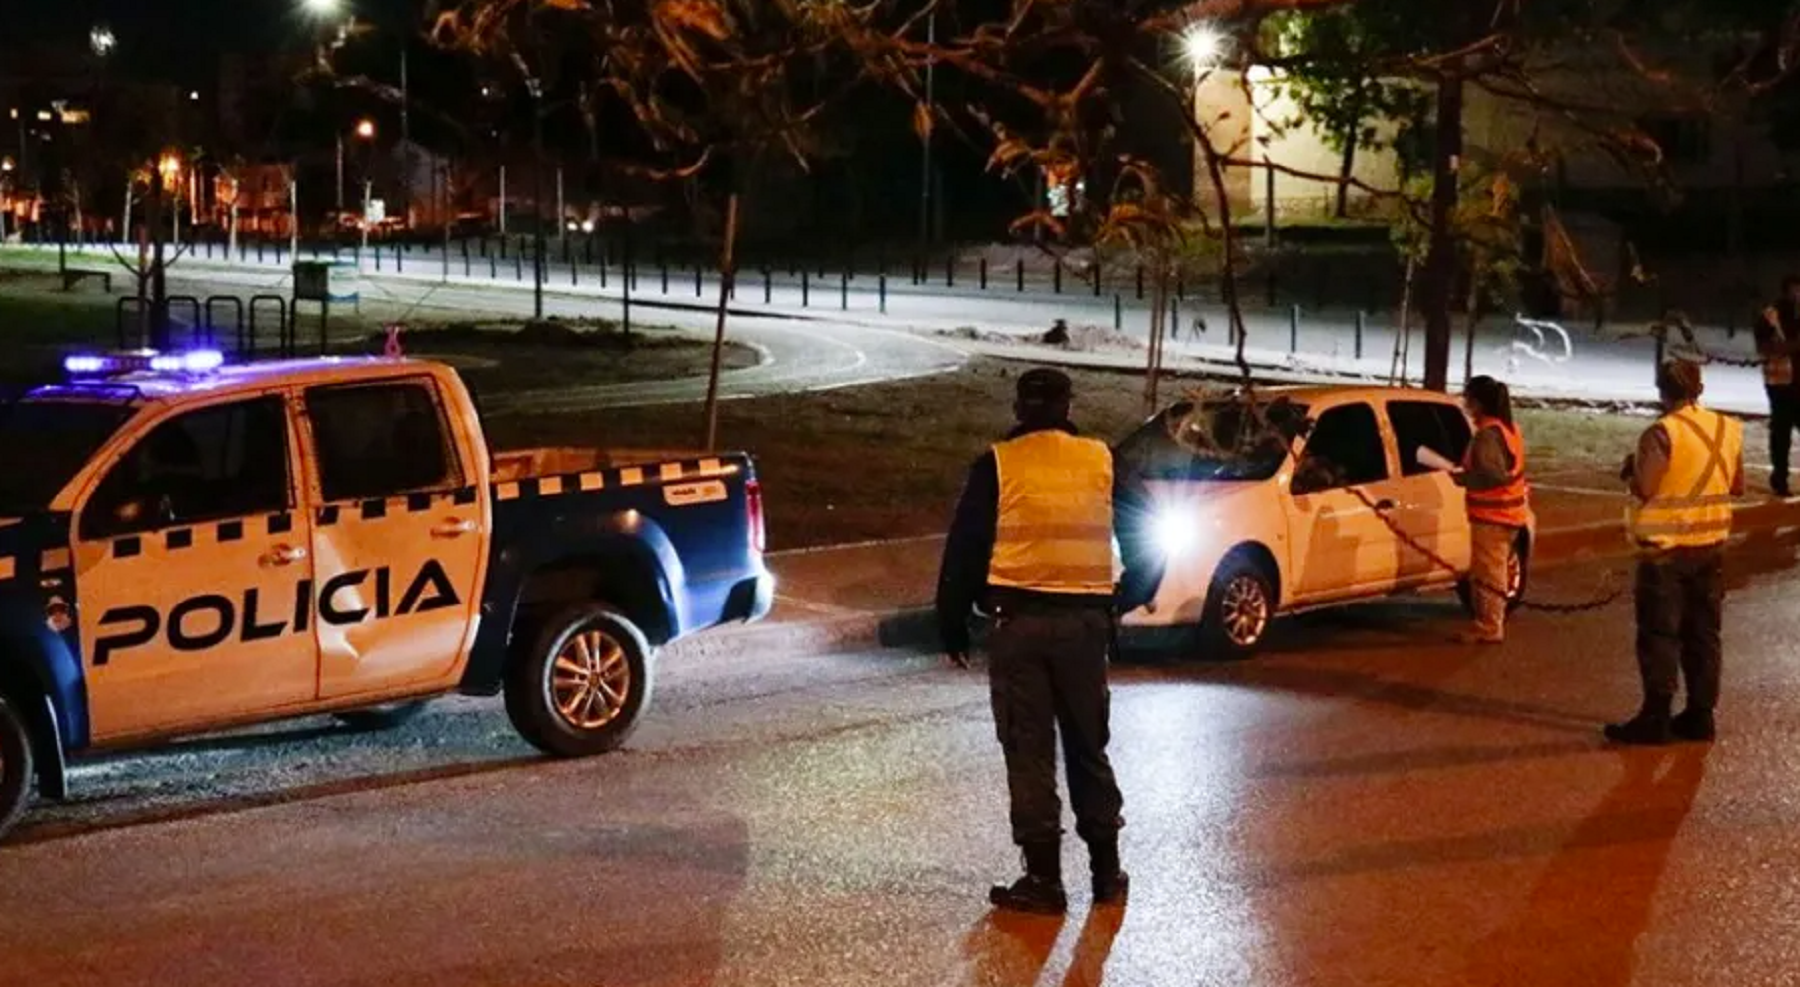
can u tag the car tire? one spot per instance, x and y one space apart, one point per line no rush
17 765
1240 607
1518 579
387 716
584 684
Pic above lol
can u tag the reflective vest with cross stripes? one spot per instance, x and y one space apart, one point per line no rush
1503 505
1691 506
1054 532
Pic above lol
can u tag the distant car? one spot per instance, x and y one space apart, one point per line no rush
186 546
1299 506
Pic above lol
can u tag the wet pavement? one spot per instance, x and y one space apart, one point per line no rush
1362 805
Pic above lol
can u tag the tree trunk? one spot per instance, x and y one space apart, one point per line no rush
1345 173
727 277
1439 288
1159 333
158 270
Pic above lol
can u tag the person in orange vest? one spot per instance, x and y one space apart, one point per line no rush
1498 500
1687 469
1033 541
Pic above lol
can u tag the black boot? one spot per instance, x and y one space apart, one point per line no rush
1111 884
1694 724
1041 889
1647 729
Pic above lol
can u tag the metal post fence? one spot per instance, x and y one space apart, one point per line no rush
1294 329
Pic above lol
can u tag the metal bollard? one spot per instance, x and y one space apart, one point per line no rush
984 278
844 292
1140 282
1359 333
883 290
768 286
1057 284
1019 271
805 288
665 277
1294 329
950 271
698 289
1118 314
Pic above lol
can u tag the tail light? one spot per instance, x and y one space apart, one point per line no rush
753 501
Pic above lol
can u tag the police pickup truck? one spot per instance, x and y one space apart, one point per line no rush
187 546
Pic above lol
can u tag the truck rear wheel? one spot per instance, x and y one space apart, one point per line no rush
584 685
16 765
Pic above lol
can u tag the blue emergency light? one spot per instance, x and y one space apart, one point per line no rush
97 365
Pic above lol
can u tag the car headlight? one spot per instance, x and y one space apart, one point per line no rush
1176 531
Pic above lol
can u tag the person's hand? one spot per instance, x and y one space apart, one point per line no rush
957 659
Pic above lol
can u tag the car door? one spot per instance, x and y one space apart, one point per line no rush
1340 488
1429 507
192 559
398 538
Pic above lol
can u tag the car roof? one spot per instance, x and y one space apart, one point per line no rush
151 385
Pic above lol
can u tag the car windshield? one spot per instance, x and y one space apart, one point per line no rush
1223 440
43 444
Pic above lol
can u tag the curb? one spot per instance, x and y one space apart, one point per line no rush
915 627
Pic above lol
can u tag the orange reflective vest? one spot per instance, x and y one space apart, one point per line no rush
1503 505
1054 533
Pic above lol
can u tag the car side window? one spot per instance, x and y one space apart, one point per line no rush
1345 449
380 440
212 464
1430 424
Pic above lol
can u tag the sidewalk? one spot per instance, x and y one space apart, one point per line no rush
879 595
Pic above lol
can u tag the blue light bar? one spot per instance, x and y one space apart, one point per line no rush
190 362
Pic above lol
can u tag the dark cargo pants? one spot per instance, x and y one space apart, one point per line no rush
1047 672
1680 606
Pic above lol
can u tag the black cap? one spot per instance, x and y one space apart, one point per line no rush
1044 386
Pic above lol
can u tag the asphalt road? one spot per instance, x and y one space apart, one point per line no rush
1363 805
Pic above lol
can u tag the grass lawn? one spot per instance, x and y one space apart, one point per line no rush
888 461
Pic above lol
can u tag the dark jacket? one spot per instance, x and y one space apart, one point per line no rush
962 582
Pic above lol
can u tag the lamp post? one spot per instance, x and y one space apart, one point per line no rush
324 10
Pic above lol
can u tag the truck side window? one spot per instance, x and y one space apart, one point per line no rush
1436 426
1344 450
213 464
380 440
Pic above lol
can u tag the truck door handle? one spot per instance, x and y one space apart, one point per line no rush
453 528
284 555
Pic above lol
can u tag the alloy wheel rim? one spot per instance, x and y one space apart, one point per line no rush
1515 576
1245 610
590 680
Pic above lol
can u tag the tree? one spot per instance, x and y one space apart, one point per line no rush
715 89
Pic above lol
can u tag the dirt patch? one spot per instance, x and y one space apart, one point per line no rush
1075 339
888 461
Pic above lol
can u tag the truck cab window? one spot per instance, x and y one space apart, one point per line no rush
227 461
380 440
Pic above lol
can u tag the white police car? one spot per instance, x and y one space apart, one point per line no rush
186 546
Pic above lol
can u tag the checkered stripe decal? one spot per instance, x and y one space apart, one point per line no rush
59 561
612 479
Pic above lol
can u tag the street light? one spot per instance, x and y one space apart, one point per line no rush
1203 46
102 40
365 129
170 169
322 8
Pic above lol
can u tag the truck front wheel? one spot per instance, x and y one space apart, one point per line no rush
16 765
584 684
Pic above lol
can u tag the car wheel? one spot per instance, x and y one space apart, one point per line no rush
17 768
1240 606
1518 577
384 717
584 685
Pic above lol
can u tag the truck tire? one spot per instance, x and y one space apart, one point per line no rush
17 767
584 685
384 717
